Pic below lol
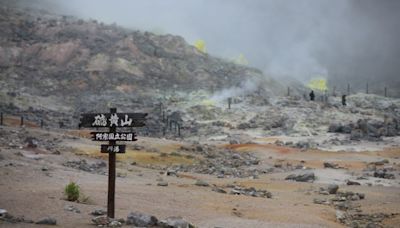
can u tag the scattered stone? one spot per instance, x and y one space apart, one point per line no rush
162 183
3 212
102 220
350 182
321 201
305 177
137 147
332 188
175 222
98 212
380 163
348 195
114 223
97 167
201 183
237 190
31 142
330 165
47 221
141 220
382 173
340 215
219 190
72 209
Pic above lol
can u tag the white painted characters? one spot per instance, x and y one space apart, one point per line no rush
126 122
100 121
114 120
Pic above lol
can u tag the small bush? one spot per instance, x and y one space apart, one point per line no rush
72 191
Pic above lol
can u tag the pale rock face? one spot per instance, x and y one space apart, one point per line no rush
59 53
9 56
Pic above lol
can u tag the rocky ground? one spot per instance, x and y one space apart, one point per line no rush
251 180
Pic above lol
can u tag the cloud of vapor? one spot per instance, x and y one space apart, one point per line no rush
344 40
246 87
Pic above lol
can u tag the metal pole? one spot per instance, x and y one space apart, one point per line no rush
111 174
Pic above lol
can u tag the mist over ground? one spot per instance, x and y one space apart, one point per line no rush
346 41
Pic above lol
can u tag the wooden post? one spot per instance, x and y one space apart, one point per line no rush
22 121
229 102
179 130
163 116
41 124
367 88
111 174
1 118
385 91
348 89
334 91
288 91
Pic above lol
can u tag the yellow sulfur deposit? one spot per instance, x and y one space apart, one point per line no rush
241 60
200 45
318 84
208 102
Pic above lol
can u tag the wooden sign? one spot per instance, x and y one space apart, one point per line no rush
113 120
110 136
119 149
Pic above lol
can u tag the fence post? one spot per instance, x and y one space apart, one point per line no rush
41 124
179 130
334 91
348 89
22 121
367 88
229 102
385 91
1 118
288 91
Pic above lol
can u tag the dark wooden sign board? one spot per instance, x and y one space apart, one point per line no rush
118 136
119 149
112 120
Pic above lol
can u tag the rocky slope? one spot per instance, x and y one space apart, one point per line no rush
62 64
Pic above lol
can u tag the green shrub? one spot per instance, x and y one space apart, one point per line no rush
72 191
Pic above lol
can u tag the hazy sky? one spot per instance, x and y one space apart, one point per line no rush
346 39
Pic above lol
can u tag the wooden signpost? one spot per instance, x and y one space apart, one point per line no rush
112 120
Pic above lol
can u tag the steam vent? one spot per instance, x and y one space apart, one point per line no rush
134 113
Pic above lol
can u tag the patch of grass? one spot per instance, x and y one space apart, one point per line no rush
176 154
84 199
72 191
163 155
